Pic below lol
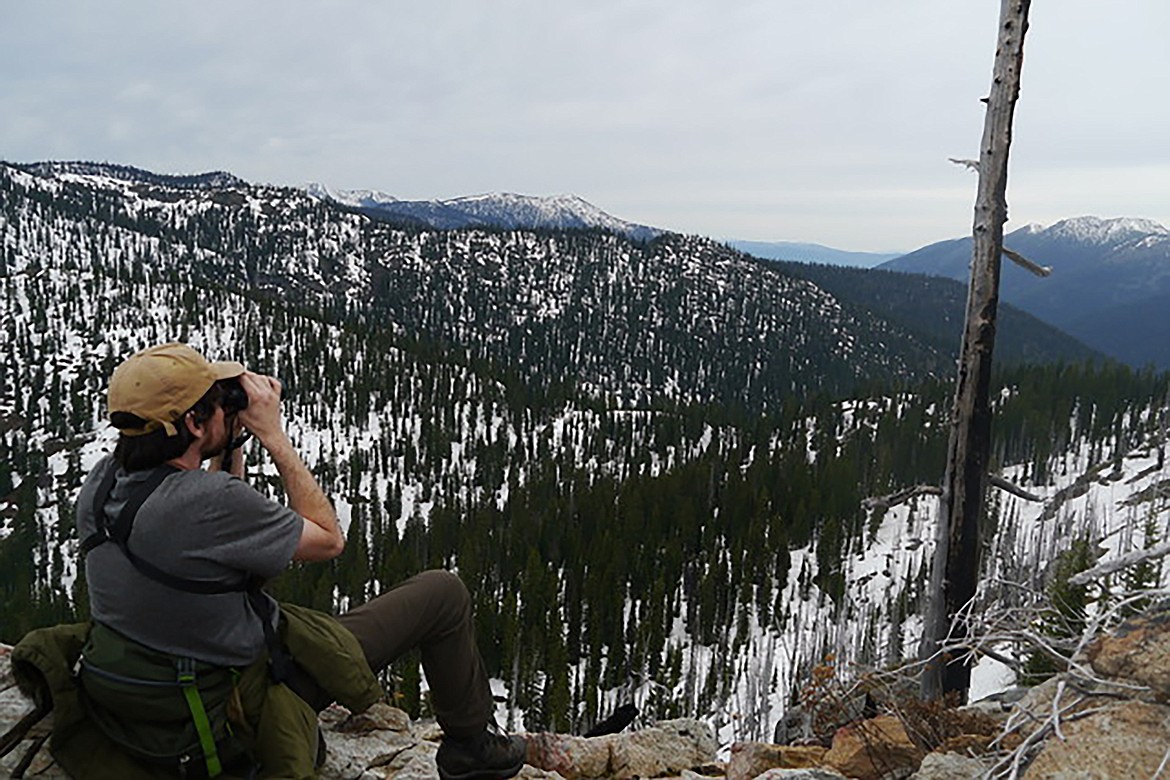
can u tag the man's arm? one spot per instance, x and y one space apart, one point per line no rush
321 537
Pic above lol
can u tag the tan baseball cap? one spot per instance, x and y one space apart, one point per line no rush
161 383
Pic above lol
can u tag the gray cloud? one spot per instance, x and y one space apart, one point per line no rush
827 122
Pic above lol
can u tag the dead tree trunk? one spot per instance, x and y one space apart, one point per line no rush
956 556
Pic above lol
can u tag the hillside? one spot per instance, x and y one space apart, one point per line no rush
644 459
1109 287
933 309
681 320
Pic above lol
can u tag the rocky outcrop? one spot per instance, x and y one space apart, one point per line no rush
383 742
951 766
665 749
1124 739
1137 652
1114 722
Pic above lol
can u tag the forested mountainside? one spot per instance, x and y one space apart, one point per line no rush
679 320
1109 285
620 542
933 308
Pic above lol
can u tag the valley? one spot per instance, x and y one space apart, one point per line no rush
648 460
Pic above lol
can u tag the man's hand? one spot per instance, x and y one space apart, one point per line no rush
321 536
262 417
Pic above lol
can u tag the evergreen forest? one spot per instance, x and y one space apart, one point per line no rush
647 461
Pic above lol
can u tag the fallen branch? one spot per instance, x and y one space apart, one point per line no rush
1121 562
902 496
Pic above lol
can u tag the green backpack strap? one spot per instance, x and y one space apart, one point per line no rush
187 682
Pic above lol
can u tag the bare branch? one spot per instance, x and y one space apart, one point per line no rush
969 164
1056 710
901 497
1015 490
1132 558
1011 663
1026 264
1162 765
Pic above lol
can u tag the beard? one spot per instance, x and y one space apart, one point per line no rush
212 449
216 445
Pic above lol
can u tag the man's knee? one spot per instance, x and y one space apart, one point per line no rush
447 589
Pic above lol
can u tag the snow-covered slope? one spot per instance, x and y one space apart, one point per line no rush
1112 493
636 528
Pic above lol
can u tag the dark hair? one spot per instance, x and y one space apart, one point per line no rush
136 453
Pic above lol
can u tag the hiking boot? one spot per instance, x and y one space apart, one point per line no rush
488 756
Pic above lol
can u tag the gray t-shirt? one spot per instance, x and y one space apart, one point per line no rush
197 525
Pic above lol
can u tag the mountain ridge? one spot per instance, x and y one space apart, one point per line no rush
498 210
803 252
1109 280
132 174
594 310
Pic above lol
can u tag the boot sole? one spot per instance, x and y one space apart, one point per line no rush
484 774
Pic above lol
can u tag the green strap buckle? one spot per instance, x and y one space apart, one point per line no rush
187 680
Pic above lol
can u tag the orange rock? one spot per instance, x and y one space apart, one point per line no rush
751 759
873 749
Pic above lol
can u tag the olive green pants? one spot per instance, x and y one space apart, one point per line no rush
430 611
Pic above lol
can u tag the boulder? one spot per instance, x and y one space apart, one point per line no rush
751 759
1126 739
1035 709
1138 652
379 742
950 766
667 748
814 773
875 749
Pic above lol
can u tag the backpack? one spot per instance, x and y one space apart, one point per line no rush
160 707
168 711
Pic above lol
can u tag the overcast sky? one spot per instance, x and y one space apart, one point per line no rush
828 121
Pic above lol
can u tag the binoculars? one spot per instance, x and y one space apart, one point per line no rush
235 398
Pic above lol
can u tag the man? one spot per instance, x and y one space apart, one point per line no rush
175 411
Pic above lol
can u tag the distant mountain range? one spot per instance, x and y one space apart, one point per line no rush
510 211
495 210
1109 287
798 252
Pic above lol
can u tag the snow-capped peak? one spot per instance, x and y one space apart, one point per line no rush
1097 230
502 210
356 198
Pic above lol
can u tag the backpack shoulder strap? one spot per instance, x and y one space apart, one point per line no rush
100 521
118 532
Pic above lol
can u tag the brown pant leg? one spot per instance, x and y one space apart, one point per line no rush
431 611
